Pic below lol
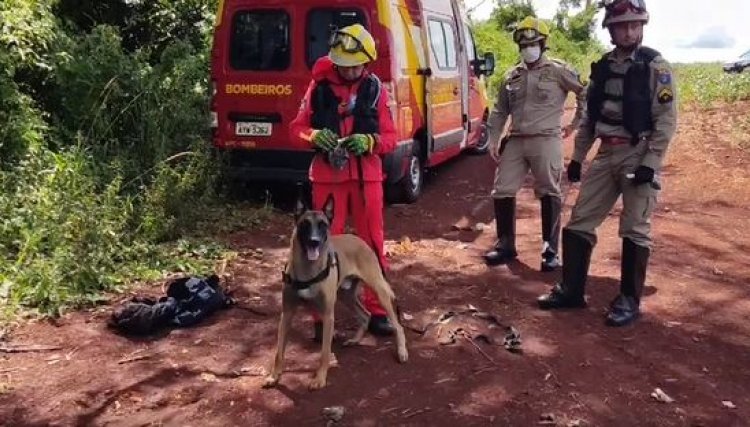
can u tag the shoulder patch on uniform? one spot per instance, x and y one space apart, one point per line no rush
511 73
663 70
665 95
664 76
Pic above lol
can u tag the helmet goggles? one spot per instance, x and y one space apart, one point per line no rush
528 35
348 43
618 7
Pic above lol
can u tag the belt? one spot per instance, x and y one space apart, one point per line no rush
615 140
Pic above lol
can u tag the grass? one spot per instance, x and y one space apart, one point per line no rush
704 85
200 252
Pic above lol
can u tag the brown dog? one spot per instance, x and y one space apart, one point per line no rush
319 266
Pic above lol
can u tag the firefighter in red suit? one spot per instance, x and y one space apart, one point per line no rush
345 117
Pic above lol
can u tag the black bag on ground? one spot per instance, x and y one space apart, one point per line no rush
189 300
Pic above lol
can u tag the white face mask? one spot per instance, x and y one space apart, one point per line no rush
531 54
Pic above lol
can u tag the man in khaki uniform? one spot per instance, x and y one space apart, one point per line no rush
631 108
533 94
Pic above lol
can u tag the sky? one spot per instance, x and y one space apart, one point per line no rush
682 30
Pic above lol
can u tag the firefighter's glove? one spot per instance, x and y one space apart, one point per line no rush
324 139
359 143
574 171
643 175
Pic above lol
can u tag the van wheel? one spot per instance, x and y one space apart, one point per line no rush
483 144
409 188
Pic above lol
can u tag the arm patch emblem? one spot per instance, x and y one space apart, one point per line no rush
664 77
665 95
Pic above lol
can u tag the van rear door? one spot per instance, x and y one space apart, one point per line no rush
444 98
261 70
463 68
258 80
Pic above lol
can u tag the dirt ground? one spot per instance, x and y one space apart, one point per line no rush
692 342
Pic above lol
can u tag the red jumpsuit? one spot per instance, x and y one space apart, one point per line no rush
362 197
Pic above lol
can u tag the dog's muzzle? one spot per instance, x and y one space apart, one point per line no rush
312 249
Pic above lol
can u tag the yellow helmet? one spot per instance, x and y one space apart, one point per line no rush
530 30
352 46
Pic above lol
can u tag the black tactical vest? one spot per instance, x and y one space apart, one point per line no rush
325 107
636 99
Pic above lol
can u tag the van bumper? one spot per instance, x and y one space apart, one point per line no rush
294 165
267 165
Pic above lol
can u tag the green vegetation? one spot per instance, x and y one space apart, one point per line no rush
705 84
105 167
570 39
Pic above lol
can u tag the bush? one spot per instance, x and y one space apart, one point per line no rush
21 124
60 236
103 153
179 196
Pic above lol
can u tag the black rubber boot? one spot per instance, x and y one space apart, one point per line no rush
625 309
380 326
551 208
505 221
576 259
318 332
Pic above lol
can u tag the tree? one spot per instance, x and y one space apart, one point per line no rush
151 24
508 12
579 27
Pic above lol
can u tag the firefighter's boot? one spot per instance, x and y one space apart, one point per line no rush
504 250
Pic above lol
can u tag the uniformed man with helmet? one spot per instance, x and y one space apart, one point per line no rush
533 96
631 109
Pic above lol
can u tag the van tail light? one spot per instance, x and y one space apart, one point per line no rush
214 116
390 88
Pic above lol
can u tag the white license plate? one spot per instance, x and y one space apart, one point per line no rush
253 129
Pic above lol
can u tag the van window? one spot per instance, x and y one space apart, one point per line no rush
259 41
437 39
471 53
450 44
320 25
443 40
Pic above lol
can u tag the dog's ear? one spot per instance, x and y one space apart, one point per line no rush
299 210
300 207
328 208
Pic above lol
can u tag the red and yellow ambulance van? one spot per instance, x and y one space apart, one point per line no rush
261 63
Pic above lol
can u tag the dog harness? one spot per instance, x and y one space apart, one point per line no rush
333 261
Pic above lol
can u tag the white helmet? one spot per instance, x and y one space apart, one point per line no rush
624 11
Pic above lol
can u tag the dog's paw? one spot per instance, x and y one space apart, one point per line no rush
270 381
317 383
403 355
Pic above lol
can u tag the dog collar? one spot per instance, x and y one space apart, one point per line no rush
333 260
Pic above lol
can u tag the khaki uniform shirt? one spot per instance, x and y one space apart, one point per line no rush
663 110
535 99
